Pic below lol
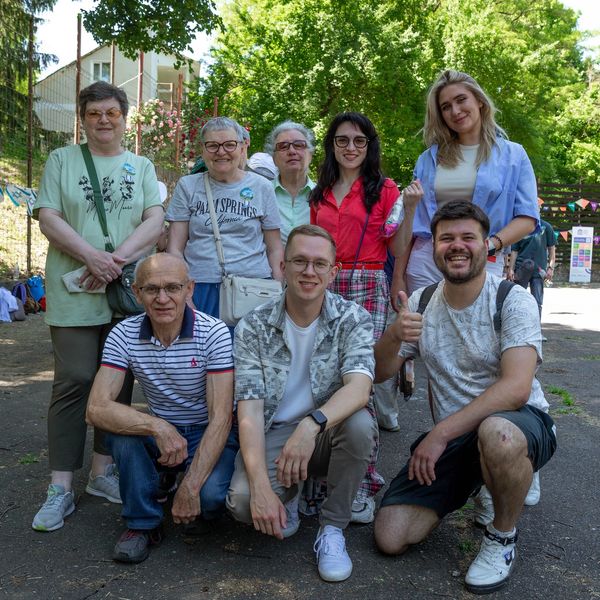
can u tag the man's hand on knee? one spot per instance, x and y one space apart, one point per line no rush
268 513
172 445
292 463
423 459
186 503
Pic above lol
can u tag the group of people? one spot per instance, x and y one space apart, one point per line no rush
240 419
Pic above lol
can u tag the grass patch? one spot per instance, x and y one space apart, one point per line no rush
29 459
466 546
565 396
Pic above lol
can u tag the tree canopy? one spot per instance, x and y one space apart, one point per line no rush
141 25
309 59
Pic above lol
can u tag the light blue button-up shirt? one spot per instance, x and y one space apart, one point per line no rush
505 187
293 211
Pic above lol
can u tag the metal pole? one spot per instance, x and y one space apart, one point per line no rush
178 129
138 135
112 63
78 81
30 135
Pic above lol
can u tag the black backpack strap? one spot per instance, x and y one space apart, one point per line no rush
503 291
426 297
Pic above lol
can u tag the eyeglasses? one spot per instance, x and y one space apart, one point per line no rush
171 289
114 114
360 141
228 146
285 146
301 264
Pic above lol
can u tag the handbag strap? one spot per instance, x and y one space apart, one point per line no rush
91 169
362 237
215 225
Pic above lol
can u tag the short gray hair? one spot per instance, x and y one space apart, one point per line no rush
307 133
221 123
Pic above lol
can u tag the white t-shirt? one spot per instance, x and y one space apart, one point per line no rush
297 399
462 351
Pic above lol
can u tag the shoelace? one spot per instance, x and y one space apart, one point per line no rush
491 553
327 545
130 534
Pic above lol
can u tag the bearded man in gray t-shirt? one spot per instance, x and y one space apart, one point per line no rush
491 424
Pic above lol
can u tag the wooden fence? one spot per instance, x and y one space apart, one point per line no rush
561 210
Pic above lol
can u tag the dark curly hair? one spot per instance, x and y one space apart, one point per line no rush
370 170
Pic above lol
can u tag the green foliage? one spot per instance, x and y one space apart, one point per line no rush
29 459
309 59
564 395
142 25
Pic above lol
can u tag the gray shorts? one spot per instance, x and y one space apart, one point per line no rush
458 470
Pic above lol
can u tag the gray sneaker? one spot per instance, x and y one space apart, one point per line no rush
105 486
59 504
133 544
363 511
293 517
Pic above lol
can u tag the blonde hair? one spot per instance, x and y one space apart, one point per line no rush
435 130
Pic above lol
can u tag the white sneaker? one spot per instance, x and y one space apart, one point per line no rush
332 559
363 511
491 568
105 486
59 505
534 493
483 508
293 517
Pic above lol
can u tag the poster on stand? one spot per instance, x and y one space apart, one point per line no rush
582 239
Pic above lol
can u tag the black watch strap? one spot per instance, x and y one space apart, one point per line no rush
319 418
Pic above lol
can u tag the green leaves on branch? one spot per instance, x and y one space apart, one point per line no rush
164 26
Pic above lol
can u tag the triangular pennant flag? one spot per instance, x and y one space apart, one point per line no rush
563 208
540 202
565 235
554 208
596 240
582 202
545 208
594 206
571 206
555 235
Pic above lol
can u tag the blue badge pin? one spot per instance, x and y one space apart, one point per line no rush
246 194
129 168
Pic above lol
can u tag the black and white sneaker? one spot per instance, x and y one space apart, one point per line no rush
491 568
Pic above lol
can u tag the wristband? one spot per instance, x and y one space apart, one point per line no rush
496 237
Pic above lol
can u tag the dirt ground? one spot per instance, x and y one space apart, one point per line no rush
559 548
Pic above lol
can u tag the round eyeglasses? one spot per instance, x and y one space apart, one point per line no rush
228 146
285 146
301 264
171 289
113 114
360 141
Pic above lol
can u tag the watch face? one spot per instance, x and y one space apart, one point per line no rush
319 418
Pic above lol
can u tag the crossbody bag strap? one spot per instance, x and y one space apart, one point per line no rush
91 169
215 225
362 237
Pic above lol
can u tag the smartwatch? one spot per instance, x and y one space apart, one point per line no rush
320 419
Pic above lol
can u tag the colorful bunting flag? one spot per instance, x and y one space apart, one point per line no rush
540 202
571 206
565 235
563 208
594 206
582 202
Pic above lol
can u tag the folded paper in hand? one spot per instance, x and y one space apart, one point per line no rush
71 281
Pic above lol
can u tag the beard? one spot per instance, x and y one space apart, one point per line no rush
478 262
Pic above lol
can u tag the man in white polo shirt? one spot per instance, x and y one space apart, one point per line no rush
183 360
304 367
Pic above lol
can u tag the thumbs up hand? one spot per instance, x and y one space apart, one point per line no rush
408 325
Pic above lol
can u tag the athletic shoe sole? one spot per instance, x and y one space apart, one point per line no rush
58 525
94 492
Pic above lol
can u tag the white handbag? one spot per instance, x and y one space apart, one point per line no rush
237 295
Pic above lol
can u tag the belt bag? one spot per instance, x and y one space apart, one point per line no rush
121 298
237 295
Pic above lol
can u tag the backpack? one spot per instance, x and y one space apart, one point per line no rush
22 292
407 383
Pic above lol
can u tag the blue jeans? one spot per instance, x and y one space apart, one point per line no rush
206 299
136 458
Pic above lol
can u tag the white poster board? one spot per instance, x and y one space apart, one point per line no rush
582 239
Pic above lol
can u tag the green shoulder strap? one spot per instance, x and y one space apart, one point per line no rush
91 169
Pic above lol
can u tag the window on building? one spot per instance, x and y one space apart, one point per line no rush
101 71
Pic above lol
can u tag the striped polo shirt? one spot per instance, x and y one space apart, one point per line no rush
173 378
